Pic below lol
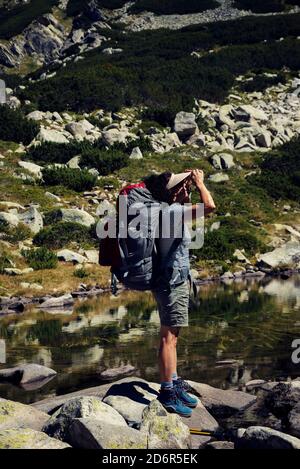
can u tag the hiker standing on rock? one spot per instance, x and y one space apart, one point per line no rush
144 257
173 298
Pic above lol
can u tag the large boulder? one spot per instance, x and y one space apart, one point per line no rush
222 161
95 434
28 373
293 423
74 215
32 168
185 125
130 409
252 113
33 219
70 256
287 255
84 408
50 135
222 403
112 136
77 130
164 430
266 438
283 398
26 438
36 115
16 415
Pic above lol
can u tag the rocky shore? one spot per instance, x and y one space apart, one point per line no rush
126 414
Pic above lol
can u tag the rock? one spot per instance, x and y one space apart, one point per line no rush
112 136
287 255
222 161
215 226
263 139
28 439
74 215
59 302
283 398
16 415
136 154
27 373
201 418
220 445
81 407
224 115
164 430
95 434
52 196
293 424
240 256
218 177
227 275
222 403
33 219
9 218
130 409
76 129
14 272
105 208
254 384
36 115
253 112
49 135
113 373
162 143
266 438
74 162
32 168
66 255
185 124
92 256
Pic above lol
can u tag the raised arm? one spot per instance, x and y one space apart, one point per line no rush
205 196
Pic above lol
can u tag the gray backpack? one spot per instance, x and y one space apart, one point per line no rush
140 267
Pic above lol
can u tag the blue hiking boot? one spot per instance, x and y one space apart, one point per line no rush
182 389
169 399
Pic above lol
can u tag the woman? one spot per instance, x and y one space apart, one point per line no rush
172 295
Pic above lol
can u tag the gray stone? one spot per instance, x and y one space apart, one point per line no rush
74 162
59 302
282 398
220 445
33 219
130 409
253 112
266 438
185 124
164 430
74 215
287 255
219 177
32 168
92 256
76 129
136 154
16 415
112 136
254 384
87 407
94 434
9 218
263 139
27 373
26 438
66 255
222 403
294 421
36 115
49 135
113 373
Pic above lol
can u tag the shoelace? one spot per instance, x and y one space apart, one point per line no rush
183 385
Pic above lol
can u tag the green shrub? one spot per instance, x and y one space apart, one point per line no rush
265 6
62 234
105 161
280 172
14 234
40 259
81 273
4 263
170 7
202 124
75 179
13 21
15 127
49 152
262 82
233 234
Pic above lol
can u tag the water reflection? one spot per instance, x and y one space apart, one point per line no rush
238 331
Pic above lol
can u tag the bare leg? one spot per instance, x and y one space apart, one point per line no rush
167 352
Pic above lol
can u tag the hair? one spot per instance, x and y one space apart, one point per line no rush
156 184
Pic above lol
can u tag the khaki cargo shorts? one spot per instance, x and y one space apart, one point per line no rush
173 305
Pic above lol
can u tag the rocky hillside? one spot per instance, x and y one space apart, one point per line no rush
93 102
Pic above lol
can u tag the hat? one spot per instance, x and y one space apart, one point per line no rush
177 178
